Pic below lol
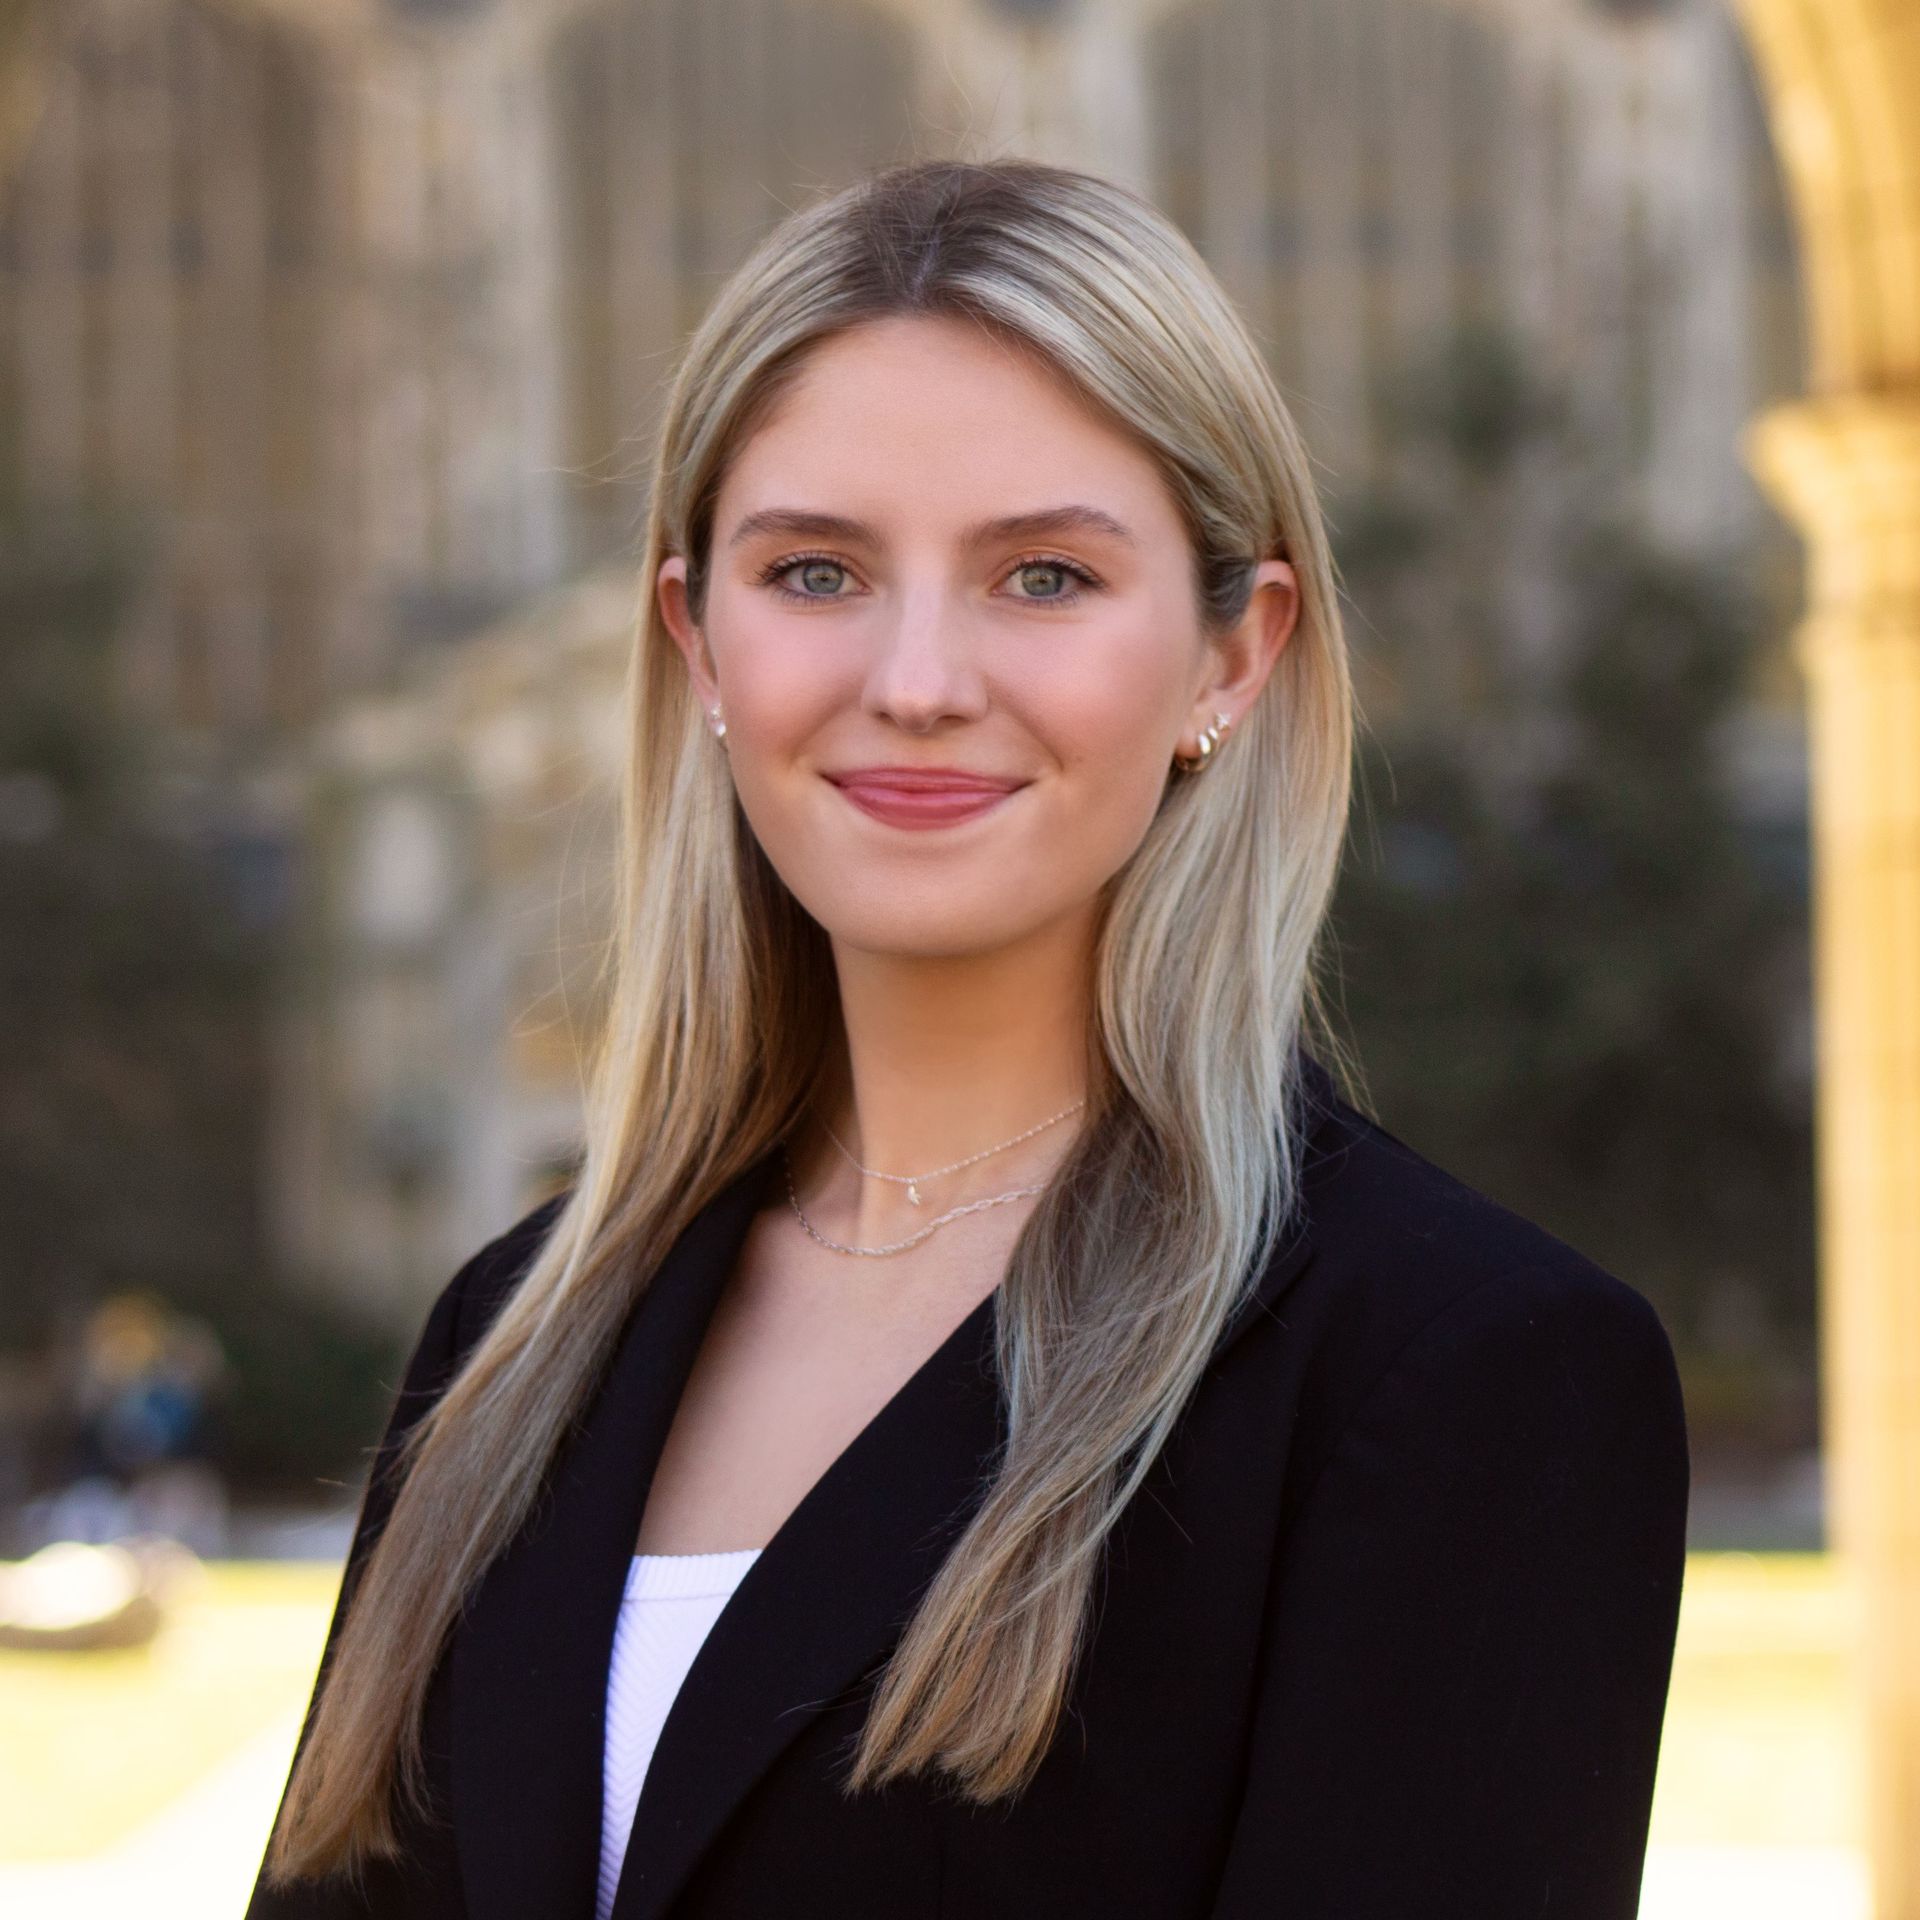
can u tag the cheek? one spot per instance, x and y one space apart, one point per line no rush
1109 737
1120 715
788 695
782 684
1112 713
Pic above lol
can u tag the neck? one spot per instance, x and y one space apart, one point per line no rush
945 1057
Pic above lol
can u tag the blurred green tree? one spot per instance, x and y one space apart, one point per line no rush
137 948
1571 964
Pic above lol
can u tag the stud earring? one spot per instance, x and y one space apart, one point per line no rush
719 725
1210 737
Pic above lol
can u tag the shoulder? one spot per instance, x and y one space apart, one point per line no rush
468 1303
1417 1273
458 1316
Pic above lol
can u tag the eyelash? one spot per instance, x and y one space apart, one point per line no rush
769 576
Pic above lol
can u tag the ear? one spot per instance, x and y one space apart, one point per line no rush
670 590
1238 662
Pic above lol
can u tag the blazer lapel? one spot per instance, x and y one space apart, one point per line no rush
530 1655
819 1610
815 1616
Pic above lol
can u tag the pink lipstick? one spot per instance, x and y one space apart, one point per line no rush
923 796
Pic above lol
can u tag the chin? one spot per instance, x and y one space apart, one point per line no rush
943 934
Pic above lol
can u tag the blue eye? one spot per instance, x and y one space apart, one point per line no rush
770 576
1066 596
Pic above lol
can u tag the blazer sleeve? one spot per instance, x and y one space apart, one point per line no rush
1470 1628
430 1368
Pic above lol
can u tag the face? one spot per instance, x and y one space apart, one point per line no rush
933 564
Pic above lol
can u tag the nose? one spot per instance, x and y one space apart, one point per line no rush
925 667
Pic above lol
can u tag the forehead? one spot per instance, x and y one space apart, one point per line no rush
932 421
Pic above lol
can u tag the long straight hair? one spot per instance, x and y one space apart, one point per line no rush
722 1006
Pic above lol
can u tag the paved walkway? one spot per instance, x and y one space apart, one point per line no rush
195 1861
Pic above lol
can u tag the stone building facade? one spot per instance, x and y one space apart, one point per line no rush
362 311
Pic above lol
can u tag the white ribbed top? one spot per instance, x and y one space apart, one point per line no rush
669 1607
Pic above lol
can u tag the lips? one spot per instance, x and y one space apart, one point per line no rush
922 796
924 780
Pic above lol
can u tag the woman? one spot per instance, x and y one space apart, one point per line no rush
990 1429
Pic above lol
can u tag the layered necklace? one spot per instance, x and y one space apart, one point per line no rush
912 1182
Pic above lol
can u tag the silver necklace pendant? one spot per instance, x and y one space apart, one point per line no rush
938 1221
912 1183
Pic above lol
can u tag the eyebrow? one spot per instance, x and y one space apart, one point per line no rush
798 523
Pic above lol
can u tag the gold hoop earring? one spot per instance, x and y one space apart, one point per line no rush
1210 738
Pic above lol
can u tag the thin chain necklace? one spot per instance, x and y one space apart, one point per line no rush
911 1181
939 1220
913 1240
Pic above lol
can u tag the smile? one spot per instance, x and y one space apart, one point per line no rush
901 806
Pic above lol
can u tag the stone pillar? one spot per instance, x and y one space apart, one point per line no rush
1848 471
1845 464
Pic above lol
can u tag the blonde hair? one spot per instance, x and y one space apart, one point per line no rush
722 994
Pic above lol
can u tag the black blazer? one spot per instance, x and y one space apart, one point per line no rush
1386 1635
